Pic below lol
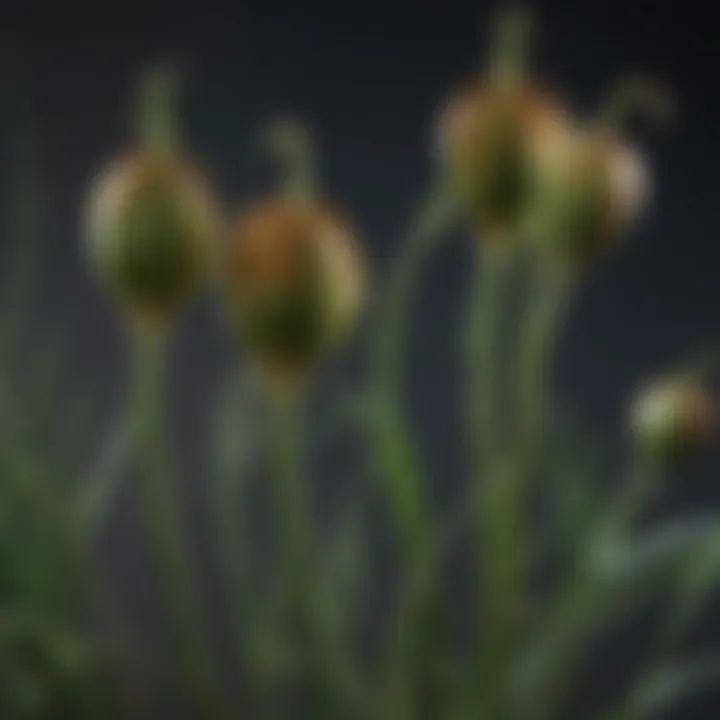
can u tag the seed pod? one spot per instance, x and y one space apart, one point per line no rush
151 222
487 133
591 184
673 416
590 189
294 284
488 136
151 216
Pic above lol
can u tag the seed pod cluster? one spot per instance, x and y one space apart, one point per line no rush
524 167
294 283
152 222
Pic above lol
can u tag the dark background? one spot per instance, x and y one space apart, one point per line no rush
367 77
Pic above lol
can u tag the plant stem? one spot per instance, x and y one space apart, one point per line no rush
25 230
99 487
485 408
296 548
157 123
396 454
485 416
501 470
586 597
402 476
162 522
232 456
537 344
290 493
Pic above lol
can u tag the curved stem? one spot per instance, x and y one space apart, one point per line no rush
396 454
634 94
157 122
293 146
232 452
583 601
505 501
161 518
299 599
508 62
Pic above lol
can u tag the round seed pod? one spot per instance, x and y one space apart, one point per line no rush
151 222
673 416
294 284
488 131
590 189
488 134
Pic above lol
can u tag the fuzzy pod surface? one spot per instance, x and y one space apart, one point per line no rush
487 136
294 282
151 225
673 416
590 190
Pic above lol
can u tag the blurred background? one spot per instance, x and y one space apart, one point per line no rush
367 78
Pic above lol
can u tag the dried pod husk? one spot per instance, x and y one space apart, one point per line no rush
590 189
673 417
488 135
152 222
295 281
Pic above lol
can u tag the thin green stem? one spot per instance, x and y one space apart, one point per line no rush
484 406
233 440
299 599
637 94
507 540
511 44
537 344
293 146
396 454
291 499
412 685
501 573
25 230
100 486
157 123
491 483
583 602
161 517
501 469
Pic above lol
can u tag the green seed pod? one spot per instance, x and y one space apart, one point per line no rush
151 224
673 416
150 216
294 284
591 185
487 133
590 188
487 139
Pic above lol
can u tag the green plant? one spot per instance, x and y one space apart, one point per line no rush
51 663
559 548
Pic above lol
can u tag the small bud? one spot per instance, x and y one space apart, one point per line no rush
673 416
295 281
590 190
151 221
